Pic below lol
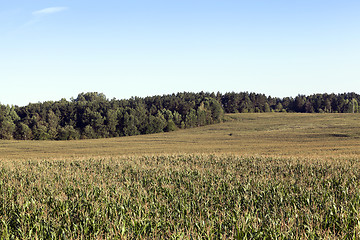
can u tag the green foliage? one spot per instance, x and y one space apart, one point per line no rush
40 133
278 107
251 102
88 132
92 115
68 133
170 126
217 112
191 119
23 132
8 117
185 196
111 122
129 127
267 108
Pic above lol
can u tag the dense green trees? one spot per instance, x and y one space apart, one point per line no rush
317 103
8 117
92 115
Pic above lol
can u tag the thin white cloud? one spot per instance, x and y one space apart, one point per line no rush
50 10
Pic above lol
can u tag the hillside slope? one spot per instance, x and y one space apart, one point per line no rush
268 134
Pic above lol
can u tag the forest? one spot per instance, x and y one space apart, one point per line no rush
91 115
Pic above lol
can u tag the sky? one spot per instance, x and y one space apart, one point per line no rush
53 49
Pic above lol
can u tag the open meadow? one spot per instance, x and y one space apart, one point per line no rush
254 176
265 134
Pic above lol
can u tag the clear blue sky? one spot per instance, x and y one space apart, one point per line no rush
53 49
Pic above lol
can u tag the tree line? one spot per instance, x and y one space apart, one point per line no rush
317 103
92 115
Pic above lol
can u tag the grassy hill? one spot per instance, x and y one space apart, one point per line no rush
265 134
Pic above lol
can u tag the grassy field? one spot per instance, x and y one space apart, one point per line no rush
273 134
255 176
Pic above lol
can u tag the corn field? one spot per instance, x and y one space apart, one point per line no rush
180 197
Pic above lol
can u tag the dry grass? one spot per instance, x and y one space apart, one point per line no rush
273 134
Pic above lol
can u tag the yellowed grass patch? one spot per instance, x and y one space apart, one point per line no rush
272 134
